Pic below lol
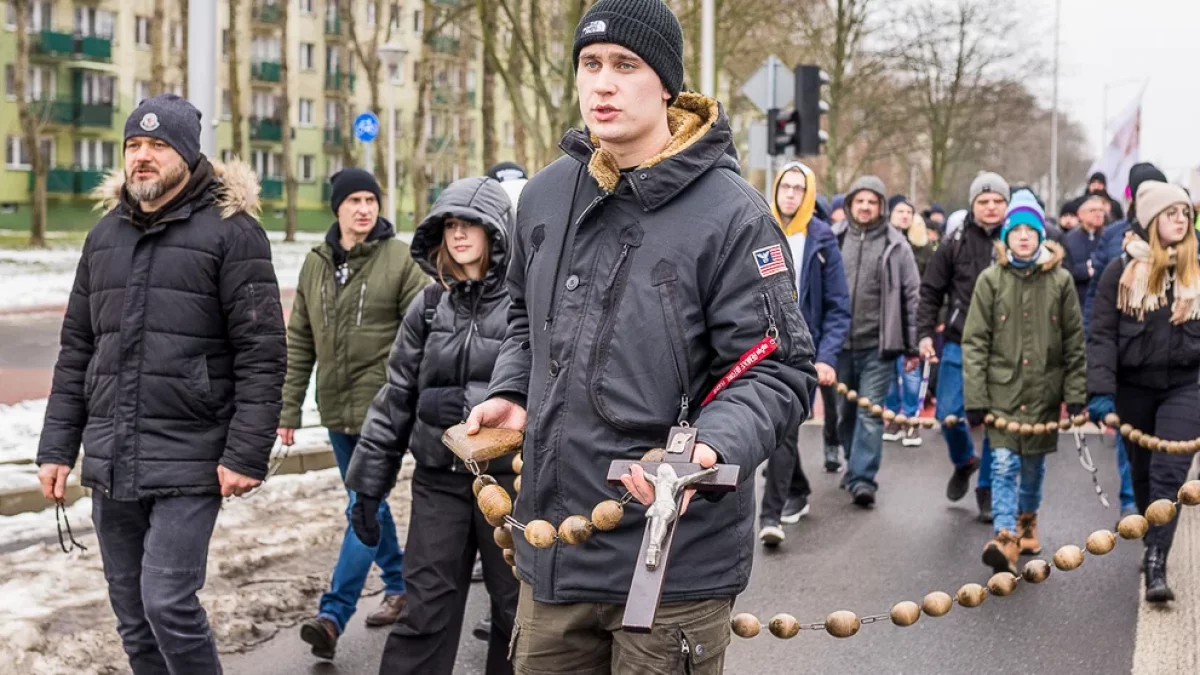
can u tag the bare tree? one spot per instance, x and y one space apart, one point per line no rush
30 114
954 62
289 166
487 21
236 118
158 62
183 56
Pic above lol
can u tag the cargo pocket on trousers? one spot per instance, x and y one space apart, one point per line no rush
703 644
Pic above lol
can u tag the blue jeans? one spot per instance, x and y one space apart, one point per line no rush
865 372
950 402
1128 503
354 560
1007 499
906 403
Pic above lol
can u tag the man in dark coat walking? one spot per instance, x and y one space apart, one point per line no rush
171 371
643 268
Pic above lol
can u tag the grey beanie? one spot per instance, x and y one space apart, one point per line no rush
170 119
989 182
648 28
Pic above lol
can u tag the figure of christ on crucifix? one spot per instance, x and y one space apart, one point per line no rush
662 513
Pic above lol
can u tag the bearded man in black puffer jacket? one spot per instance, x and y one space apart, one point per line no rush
171 374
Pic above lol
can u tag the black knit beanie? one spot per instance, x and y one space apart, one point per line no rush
348 181
170 119
648 28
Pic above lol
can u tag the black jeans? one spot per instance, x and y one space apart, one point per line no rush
155 555
785 478
445 531
1170 414
830 403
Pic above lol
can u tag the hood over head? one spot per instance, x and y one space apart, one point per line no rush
798 223
871 184
701 139
477 199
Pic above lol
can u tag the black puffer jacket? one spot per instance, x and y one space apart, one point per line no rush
633 293
173 346
1151 353
440 352
952 272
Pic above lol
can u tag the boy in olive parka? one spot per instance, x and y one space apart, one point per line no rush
1023 357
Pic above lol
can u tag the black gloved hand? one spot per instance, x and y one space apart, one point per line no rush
442 407
364 518
1074 409
975 418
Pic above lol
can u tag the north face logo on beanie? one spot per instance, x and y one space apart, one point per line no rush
594 27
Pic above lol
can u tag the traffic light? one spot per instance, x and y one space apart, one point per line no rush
809 110
781 131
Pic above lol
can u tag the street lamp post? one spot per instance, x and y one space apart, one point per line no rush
202 70
392 54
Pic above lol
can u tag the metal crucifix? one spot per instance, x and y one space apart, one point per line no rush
669 478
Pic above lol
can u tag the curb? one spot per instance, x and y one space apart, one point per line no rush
29 499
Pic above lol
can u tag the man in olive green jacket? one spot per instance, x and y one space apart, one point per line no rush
353 292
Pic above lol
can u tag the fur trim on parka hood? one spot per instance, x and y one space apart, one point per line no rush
1051 256
237 189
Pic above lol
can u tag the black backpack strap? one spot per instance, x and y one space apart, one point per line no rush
432 294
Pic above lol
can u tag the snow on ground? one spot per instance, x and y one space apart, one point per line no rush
40 278
270 559
20 425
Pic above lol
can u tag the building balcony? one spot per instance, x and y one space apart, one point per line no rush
59 181
267 12
265 71
442 44
335 80
53 43
471 98
265 129
271 188
92 48
333 136
93 114
56 112
333 26
435 144
86 180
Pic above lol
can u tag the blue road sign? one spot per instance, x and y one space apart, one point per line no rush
366 127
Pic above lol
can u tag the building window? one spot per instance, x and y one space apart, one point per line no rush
141 33
307 50
306 7
332 114
226 105
141 91
305 112
94 154
224 44
92 22
42 15
417 26
40 83
177 34
98 88
304 168
265 50
396 73
370 14
16 157
335 165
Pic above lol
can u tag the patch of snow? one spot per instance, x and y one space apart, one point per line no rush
21 424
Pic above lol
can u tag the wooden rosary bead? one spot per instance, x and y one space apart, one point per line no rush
517 464
1112 420
517 485
1126 429
575 530
540 534
516 574
1000 423
928 422
607 515
989 419
937 603
950 422
901 419
503 536
852 396
482 481
1052 427
745 625
1079 420
1189 494
495 504
1039 429
784 626
889 416
971 595
1133 527
842 389
842 624
876 410
1068 558
1135 436
1101 542
1164 445
1013 427
1161 512
1002 584
1036 571
864 402
905 613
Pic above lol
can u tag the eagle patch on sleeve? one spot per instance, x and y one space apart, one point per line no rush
770 260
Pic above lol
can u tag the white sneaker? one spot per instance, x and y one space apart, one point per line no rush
892 433
771 535
911 439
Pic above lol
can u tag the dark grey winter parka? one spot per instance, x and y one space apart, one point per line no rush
173 347
633 293
448 346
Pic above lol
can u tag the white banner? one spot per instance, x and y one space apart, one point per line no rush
1123 150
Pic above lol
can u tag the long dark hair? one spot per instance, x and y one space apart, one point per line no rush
445 263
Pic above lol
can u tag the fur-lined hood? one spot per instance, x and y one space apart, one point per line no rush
237 189
1051 256
918 232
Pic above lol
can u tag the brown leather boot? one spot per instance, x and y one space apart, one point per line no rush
1001 553
322 634
388 612
1027 529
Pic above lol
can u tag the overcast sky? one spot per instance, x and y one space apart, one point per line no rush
1116 41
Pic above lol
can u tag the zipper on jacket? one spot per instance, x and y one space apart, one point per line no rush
686 649
362 295
324 310
862 235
